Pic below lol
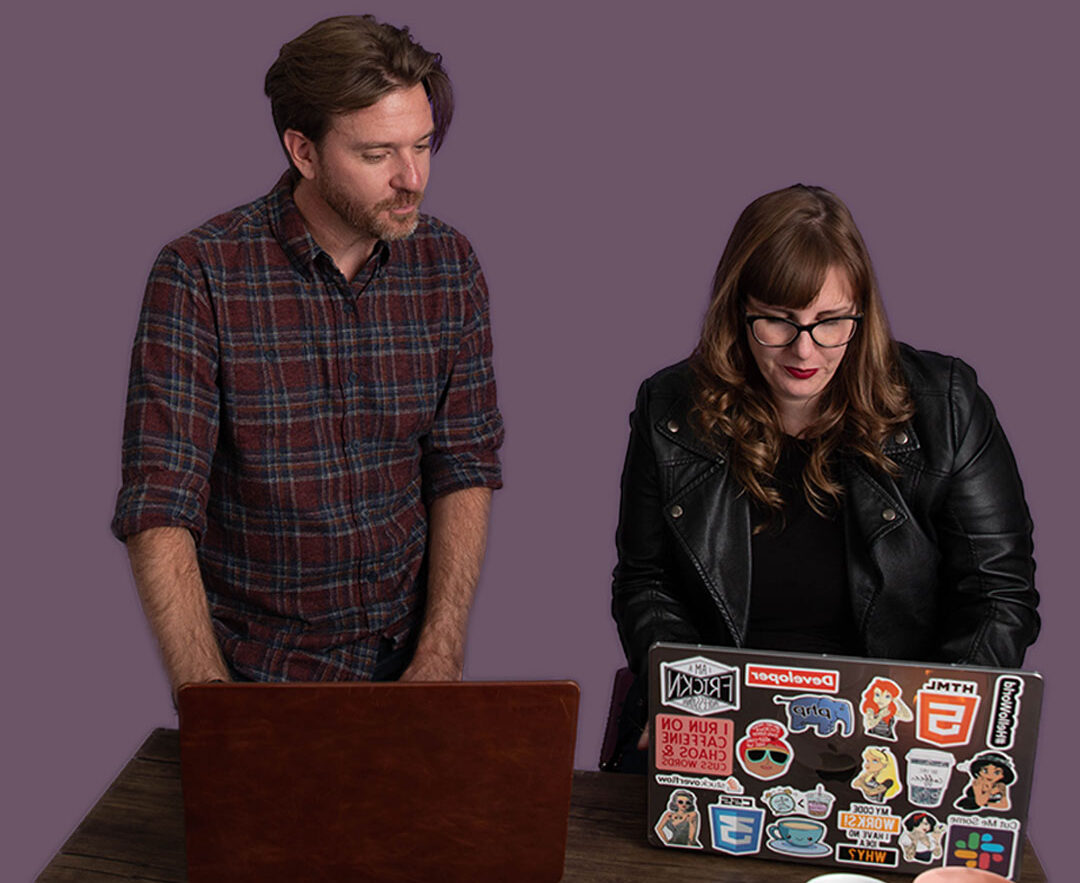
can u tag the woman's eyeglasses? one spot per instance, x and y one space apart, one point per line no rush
827 333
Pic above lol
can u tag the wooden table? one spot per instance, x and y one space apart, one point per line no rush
136 832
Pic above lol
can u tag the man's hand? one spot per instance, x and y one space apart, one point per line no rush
433 668
170 587
457 534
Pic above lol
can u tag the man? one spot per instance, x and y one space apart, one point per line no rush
311 431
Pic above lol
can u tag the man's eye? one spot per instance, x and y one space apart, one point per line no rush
423 148
374 157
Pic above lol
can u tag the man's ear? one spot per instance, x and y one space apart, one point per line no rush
302 152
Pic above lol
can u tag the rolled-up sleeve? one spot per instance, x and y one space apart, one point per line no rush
461 449
171 421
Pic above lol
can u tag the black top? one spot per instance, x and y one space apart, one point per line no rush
799 597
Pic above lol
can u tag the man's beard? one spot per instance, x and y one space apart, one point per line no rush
370 221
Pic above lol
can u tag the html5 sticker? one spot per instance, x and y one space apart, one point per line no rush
945 711
764 751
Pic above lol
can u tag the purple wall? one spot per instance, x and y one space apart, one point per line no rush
597 163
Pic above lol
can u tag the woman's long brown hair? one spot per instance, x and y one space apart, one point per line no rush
779 253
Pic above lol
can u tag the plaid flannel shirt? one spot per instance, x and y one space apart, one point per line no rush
298 424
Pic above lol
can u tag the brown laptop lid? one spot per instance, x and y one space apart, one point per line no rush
377 781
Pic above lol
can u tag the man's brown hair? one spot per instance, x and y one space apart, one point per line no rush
348 62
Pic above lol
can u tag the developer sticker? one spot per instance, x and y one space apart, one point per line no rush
698 685
945 711
870 827
777 677
736 825
987 844
820 713
1005 712
694 744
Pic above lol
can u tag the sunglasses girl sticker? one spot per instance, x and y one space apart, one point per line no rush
680 824
991 775
764 751
882 707
879 779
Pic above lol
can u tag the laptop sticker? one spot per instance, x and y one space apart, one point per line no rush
798 836
736 825
928 773
986 844
992 773
882 708
1005 712
945 712
786 801
879 779
778 677
680 824
693 744
821 713
764 751
730 785
921 838
871 827
698 685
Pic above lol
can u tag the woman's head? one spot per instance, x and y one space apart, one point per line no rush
785 247
796 258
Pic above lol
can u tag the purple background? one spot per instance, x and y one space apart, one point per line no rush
597 162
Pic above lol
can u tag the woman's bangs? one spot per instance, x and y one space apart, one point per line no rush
787 274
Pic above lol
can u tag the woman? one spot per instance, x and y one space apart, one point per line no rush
882 708
803 482
921 838
679 825
879 779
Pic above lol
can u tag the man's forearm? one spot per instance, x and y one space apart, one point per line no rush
457 535
170 587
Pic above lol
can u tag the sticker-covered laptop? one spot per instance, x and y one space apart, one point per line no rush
836 761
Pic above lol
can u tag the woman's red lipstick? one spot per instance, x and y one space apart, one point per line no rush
801 373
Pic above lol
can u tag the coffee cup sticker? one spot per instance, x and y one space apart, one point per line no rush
927 774
798 836
785 801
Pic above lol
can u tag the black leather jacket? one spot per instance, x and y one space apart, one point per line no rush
938 559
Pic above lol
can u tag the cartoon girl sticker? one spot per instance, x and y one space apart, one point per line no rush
679 826
879 780
882 707
764 752
991 775
921 838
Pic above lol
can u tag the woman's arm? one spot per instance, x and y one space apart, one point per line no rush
646 601
988 611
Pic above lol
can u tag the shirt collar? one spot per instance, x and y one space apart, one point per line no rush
292 233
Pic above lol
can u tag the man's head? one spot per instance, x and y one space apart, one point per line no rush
359 107
347 63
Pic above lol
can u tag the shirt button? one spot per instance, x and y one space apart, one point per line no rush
672 426
676 511
901 438
888 514
348 307
355 444
353 377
